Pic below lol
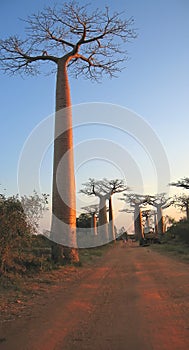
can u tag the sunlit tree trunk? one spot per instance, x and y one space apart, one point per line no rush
138 222
155 224
63 198
160 220
111 221
93 223
103 222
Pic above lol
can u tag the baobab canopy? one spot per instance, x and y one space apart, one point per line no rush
92 41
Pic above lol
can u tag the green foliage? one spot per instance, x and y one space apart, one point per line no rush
180 231
15 235
84 220
17 254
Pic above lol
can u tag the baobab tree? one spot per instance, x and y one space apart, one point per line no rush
88 44
184 183
112 187
104 189
150 218
136 201
160 202
94 188
93 211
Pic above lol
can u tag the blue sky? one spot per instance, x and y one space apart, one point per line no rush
154 85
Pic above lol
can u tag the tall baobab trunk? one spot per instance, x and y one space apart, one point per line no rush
63 199
103 222
148 222
138 222
111 221
155 224
160 220
93 223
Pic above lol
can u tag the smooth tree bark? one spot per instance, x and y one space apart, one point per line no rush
63 229
88 44
160 219
111 221
94 223
155 223
138 222
102 221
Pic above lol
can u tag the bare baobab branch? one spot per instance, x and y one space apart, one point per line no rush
183 183
94 42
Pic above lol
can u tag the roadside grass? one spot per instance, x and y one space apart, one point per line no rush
173 247
90 255
176 241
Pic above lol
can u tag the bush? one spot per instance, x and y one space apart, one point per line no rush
180 231
15 234
19 251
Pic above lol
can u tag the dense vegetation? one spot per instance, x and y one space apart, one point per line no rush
179 232
19 246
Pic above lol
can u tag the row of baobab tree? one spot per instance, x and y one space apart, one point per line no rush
105 189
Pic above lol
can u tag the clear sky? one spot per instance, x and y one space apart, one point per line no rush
155 86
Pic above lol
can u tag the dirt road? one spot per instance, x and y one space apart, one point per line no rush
132 299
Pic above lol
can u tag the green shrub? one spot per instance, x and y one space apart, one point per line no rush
180 231
15 234
19 252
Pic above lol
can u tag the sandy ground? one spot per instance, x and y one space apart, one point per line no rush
130 299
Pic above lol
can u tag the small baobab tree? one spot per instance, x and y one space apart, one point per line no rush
160 202
93 188
136 201
87 44
93 211
112 186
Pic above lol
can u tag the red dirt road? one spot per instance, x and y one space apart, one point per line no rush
131 299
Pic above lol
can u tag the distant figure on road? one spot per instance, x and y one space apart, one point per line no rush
124 241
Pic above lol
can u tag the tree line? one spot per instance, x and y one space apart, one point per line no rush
21 250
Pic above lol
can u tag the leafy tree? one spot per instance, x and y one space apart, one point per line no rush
34 207
16 229
89 45
84 220
180 231
15 234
